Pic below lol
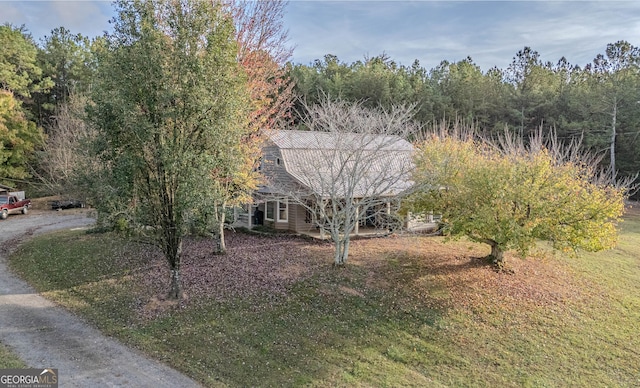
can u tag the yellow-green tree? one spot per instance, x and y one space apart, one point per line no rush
18 138
19 77
509 194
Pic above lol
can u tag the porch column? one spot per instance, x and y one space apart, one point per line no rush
357 228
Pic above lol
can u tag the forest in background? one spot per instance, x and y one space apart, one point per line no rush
44 87
599 101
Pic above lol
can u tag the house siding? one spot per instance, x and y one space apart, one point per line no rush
270 167
297 217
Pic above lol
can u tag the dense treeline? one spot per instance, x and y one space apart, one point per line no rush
599 102
42 100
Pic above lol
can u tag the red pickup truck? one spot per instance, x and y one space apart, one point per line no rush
10 204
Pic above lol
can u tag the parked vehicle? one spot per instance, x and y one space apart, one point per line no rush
10 204
66 204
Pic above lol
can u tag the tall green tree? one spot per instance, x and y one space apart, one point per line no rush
170 102
468 92
325 76
616 75
376 82
19 138
533 92
19 71
67 59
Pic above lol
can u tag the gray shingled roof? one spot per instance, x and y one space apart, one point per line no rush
327 162
291 139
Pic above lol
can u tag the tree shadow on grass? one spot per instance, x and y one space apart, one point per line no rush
274 312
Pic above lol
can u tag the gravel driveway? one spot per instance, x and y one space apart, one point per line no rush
47 336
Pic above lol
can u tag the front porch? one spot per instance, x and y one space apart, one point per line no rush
296 220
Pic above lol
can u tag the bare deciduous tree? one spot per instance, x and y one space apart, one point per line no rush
352 163
65 151
259 27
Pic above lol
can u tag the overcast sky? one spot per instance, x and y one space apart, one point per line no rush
430 31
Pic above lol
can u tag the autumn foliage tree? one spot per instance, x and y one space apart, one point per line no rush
20 76
262 53
509 193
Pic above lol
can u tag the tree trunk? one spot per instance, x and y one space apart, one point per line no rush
174 254
342 251
221 247
175 288
497 256
612 144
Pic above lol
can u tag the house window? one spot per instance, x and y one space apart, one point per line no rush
277 211
283 211
270 210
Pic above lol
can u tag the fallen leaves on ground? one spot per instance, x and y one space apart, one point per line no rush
411 268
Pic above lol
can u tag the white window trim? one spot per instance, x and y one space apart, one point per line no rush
277 209
266 211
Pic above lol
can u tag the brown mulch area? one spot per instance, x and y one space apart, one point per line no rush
438 274
254 265
461 272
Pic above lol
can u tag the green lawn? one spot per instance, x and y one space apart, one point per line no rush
417 312
8 360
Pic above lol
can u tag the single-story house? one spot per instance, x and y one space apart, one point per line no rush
300 164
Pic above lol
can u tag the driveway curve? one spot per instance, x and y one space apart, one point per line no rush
44 335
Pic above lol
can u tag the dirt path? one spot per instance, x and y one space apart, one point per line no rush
47 336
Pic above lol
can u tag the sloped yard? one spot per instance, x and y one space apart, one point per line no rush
406 311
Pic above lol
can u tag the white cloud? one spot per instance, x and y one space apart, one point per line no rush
83 15
89 18
490 32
